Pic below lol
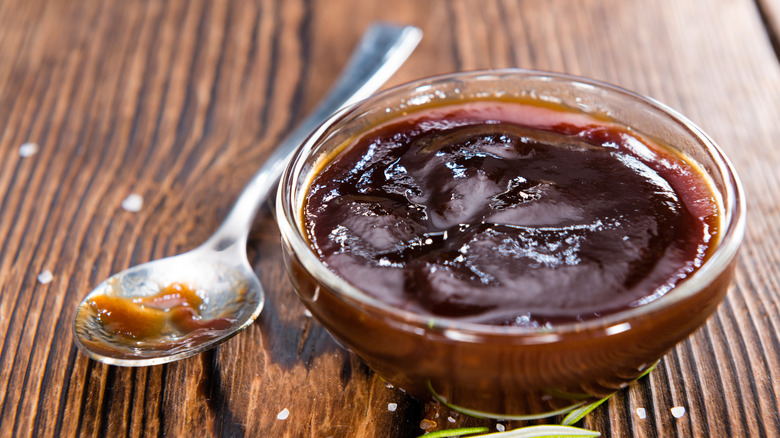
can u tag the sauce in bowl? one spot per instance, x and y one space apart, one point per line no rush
503 213
512 242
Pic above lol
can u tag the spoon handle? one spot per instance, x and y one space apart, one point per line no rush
381 51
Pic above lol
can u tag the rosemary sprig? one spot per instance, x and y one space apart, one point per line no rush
540 431
564 430
577 414
648 371
455 432
489 415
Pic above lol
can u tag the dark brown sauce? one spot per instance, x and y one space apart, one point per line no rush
509 214
172 313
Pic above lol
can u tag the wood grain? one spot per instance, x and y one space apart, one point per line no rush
181 101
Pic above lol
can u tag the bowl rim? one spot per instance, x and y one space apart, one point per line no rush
733 224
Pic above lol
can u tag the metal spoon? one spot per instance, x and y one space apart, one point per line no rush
218 269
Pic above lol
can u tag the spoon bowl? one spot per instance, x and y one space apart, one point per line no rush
233 292
179 306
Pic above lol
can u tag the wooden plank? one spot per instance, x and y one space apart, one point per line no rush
181 101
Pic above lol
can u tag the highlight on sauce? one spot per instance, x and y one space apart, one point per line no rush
165 319
507 213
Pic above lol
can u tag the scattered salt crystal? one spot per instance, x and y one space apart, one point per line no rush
641 413
28 149
388 385
45 277
307 313
500 427
392 407
133 203
678 411
283 414
450 419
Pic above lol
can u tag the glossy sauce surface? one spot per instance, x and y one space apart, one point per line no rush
163 318
510 214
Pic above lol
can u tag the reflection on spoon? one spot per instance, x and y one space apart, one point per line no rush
176 307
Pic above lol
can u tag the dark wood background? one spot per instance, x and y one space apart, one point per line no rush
180 101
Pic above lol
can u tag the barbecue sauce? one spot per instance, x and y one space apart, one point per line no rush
506 213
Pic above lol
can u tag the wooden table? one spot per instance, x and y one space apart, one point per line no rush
180 101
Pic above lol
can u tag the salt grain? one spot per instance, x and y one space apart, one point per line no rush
678 411
307 313
450 419
641 413
392 407
28 149
500 427
45 277
283 414
133 203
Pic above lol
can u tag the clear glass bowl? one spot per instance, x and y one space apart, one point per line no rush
509 372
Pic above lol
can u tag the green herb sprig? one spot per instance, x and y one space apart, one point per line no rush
540 431
564 430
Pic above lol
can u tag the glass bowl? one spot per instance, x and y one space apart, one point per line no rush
508 371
